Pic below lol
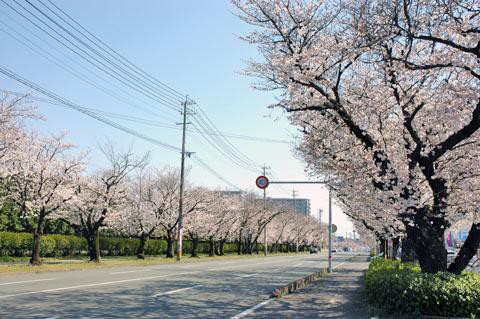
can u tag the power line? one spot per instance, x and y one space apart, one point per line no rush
74 106
61 64
113 124
141 120
89 57
173 91
174 100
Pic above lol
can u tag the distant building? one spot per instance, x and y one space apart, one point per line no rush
302 205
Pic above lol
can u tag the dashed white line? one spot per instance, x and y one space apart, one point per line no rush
296 265
175 291
129 271
95 285
25 281
251 310
250 275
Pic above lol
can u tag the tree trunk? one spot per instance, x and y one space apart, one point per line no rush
194 246
37 237
408 250
169 245
211 247
395 246
143 246
93 241
221 245
468 250
428 236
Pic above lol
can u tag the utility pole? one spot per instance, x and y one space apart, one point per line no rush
182 180
330 230
265 244
320 228
294 193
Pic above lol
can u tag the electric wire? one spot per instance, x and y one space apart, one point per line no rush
61 64
103 67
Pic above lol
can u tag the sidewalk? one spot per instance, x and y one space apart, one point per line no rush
340 295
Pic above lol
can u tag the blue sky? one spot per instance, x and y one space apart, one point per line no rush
190 45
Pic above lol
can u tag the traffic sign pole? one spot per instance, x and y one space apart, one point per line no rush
266 182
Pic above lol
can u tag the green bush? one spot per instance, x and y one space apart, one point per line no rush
400 288
20 245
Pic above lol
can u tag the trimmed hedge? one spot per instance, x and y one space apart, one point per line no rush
400 288
20 245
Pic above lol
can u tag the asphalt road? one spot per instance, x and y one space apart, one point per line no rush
212 289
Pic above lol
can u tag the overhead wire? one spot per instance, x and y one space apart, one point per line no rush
123 70
89 57
61 64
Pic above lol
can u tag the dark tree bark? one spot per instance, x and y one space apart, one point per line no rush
221 247
93 241
37 237
468 250
170 252
408 250
395 246
143 246
428 237
211 247
194 246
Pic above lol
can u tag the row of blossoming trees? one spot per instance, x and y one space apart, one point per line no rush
387 98
45 178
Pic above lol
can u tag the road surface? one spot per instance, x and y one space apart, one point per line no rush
212 289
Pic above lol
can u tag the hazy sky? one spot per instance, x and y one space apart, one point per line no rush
194 48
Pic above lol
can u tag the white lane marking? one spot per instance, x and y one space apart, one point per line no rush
276 269
96 285
340 264
251 310
128 271
221 268
177 290
251 275
296 265
24 281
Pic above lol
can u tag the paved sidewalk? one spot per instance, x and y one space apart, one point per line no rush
340 295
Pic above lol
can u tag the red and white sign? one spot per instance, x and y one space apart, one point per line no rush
262 182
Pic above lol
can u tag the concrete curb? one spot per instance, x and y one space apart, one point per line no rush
298 284
302 282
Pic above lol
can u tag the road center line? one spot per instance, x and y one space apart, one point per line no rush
25 281
128 271
250 275
177 290
251 310
96 285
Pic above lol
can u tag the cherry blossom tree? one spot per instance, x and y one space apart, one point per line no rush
43 183
102 196
383 91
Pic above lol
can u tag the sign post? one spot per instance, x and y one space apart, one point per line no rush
262 182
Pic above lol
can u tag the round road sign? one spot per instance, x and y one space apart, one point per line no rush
262 182
334 228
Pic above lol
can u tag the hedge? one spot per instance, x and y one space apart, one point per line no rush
20 245
400 288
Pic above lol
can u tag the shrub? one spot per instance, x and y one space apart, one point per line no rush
400 288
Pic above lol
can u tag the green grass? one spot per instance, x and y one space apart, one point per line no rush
82 262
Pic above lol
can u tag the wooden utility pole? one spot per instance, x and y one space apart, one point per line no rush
182 180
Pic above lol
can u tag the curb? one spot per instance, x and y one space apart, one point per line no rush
302 282
298 284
